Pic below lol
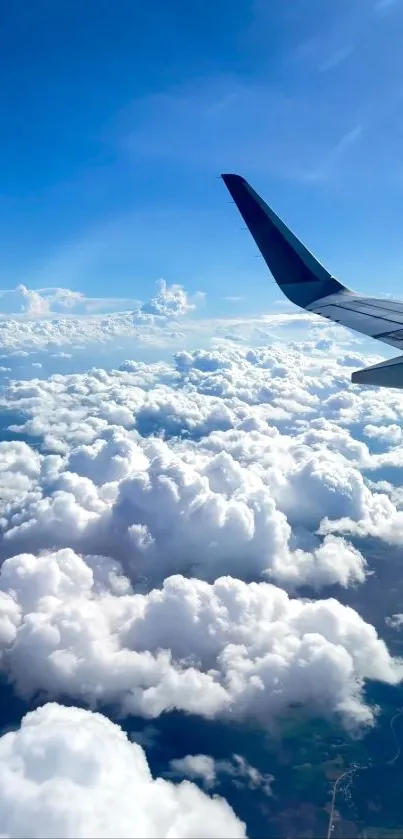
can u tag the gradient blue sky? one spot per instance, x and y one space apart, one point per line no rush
117 116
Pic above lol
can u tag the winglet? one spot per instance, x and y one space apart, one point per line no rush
388 373
297 272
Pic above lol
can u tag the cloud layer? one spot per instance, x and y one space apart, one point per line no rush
160 496
51 318
228 649
226 463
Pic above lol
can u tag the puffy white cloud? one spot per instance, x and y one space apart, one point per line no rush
290 420
49 302
39 302
385 433
69 772
395 621
205 391
169 301
214 516
210 771
55 319
20 467
383 522
260 452
49 318
228 649
161 509
196 766
53 333
24 476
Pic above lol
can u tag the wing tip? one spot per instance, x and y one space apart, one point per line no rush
387 373
232 177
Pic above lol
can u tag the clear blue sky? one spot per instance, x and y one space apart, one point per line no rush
116 116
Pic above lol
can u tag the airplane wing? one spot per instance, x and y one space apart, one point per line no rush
309 285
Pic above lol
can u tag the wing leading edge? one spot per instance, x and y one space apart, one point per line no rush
309 285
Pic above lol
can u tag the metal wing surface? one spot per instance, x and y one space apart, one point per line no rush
309 285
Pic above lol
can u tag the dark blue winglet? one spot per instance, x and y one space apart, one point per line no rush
299 275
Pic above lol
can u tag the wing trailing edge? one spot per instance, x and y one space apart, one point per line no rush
386 374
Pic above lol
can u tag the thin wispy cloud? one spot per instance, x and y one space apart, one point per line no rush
386 5
326 167
259 130
335 58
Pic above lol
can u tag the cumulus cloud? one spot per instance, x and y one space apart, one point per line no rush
20 467
42 302
170 301
69 772
50 318
391 434
60 319
240 427
70 626
395 621
45 301
211 771
196 766
160 510
207 391
247 468
54 333
257 450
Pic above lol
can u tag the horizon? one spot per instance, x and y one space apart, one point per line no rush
117 123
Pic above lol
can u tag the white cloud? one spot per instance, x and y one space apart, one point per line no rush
22 471
211 771
50 318
69 772
395 621
259 453
161 509
42 302
384 433
60 319
46 301
226 463
170 301
381 520
54 333
196 766
229 649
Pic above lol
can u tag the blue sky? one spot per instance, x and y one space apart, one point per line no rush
118 116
